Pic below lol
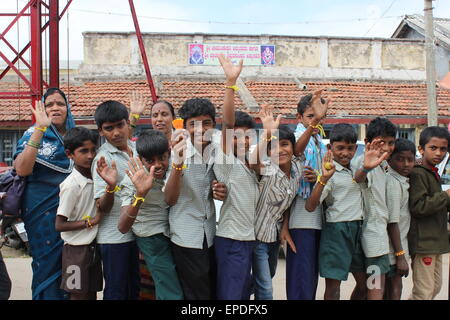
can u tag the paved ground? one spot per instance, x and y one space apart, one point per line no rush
19 269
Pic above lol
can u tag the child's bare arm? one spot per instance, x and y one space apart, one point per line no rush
109 175
232 73
394 236
127 217
327 172
62 225
173 186
285 235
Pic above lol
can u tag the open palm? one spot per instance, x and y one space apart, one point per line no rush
42 119
319 105
232 71
142 180
137 102
374 155
107 173
266 116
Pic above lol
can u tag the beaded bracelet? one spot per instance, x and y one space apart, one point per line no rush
400 253
33 144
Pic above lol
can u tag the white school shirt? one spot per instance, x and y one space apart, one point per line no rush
76 200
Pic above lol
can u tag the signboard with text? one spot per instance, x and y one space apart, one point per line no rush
252 54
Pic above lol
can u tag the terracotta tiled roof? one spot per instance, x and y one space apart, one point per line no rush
353 98
357 99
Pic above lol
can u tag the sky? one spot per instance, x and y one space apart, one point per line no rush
359 18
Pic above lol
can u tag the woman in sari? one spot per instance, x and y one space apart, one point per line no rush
40 157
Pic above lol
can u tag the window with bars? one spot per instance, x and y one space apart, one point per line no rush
407 134
8 143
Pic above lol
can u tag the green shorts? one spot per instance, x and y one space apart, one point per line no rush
392 271
379 264
340 250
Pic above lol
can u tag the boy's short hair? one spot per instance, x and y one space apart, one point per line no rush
305 103
343 132
402 144
110 111
433 132
151 143
380 127
167 103
243 119
197 107
75 137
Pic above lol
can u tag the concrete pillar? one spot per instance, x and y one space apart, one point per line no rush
376 54
323 44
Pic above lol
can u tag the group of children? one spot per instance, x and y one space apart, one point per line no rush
337 216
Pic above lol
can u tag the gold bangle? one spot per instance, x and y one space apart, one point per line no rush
137 199
400 253
136 116
43 129
179 168
235 88
270 139
116 188
318 180
33 144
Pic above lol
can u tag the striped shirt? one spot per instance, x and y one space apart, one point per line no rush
108 232
374 239
277 191
153 215
194 214
237 214
343 196
397 197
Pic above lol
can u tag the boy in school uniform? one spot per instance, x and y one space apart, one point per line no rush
340 249
145 211
401 163
302 265
189 193
77 219
119 251
429 207
375 239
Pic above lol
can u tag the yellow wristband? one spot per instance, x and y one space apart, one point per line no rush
235 88
43 129
318 180
137 199
117 188
400 253
179 168
136 116
270 139
321 130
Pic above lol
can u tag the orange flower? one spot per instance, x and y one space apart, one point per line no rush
178 123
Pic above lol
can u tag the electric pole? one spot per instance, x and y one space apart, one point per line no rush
430 64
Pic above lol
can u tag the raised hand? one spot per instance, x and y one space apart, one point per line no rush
319 105
328 167
309 174
179 147
108 174
374 155
137 102
42 119
142 180
266 116
232 71
220 190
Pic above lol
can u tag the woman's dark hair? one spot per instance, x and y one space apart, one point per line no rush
197 107
167 103
305 103
51 91
402 144
75 137
343 132
151 143
243 119
110 111
433 132
380 127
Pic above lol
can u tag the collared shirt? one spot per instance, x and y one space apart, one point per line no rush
237 214
277 191
343 196
194 214
76 200
397 197
374 239
108 231
153 214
